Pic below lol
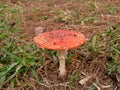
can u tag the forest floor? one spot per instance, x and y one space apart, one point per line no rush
93 66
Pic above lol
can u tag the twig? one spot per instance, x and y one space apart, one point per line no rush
96 86
61 84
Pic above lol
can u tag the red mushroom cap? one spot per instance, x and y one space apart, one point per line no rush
59 39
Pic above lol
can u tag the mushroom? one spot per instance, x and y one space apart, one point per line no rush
60 40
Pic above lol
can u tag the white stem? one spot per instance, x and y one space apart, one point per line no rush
62 54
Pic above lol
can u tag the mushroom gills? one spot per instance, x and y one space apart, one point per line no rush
62 54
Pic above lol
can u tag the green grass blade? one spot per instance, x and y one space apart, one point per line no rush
12 84
9 68
115 50
16 72
9 53
35 75
94 42
2 79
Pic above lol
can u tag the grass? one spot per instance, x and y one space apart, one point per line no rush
17 55
114 49
24 66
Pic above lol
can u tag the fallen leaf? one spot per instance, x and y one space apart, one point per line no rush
39 30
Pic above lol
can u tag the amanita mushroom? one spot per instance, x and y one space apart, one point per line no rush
60 40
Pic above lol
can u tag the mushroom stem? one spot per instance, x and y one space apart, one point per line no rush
62 54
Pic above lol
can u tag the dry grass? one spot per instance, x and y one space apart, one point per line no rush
99 58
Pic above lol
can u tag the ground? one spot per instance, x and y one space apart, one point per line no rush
96 63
